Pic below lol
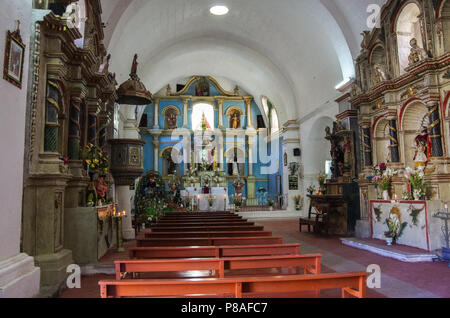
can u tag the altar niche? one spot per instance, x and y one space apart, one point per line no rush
235 161
170 164
171 114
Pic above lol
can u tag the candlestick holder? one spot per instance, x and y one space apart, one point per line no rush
119 234
445 217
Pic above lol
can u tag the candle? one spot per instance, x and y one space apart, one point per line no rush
446 208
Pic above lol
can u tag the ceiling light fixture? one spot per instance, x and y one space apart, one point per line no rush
219 10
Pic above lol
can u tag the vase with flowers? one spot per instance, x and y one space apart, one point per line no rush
384 182
298 199
322 178
416 180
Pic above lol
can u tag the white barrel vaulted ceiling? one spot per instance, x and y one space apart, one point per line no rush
293 51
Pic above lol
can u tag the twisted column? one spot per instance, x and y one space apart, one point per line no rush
393 136
367 145
435 130
74 128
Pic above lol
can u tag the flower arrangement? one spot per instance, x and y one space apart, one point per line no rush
211 199
95 159
298 199
416 179
238 200
395 225
384 180
271 203
311 189
322 178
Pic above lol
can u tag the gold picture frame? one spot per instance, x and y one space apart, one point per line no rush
14 58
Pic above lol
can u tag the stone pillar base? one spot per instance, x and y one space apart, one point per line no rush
129 234
54 267
362 229
19 278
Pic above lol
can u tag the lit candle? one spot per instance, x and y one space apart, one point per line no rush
446 208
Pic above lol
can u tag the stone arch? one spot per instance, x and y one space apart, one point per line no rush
378 64
415 115
171 157
407 26
381 141
444 20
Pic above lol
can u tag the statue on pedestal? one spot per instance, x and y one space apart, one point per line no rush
417 53
422 148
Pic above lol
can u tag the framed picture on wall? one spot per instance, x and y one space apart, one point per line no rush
14 57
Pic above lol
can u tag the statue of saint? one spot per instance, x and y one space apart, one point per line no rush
235 120
379 75
422 146
417 53
171 120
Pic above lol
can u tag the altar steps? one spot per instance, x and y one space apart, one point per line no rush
398 252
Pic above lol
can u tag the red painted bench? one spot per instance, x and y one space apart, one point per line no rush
213 251
350 284
310 264
206 234
208 229
211 241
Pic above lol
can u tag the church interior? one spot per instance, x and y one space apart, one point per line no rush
243 149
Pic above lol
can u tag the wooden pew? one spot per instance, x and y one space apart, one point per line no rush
353 284
208 229
310 264
210 241
213 251
200 219
204 223
201 215
206 234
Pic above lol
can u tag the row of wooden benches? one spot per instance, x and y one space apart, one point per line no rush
217 250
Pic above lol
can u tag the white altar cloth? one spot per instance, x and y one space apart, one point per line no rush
220 198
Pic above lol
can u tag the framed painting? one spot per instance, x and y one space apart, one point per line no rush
14 57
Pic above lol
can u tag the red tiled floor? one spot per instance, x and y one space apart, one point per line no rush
433 277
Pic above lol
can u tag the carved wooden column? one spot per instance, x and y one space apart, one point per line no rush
367 146
435 129
52 117
156 154
74 128
393 136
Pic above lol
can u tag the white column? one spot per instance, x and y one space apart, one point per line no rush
250 156
185 113
248 103
156 155
124 204
220 104
156 124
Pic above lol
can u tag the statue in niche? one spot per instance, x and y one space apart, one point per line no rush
235 120
171 119
336 152
171 166
202 87
379 74
422 148
417 53
356 89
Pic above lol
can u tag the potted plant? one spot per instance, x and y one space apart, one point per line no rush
211 199
271 203
298 199
238 200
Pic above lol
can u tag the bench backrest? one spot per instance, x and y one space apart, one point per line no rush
213 251
203 224
206 234
212 241
310 263
209 229
350 283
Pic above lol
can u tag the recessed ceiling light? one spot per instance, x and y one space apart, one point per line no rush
219 10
